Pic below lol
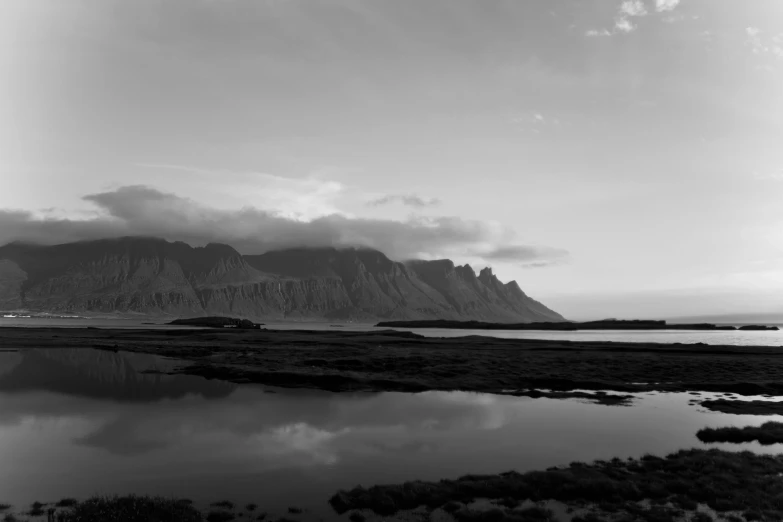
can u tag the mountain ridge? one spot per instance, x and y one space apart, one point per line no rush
152 276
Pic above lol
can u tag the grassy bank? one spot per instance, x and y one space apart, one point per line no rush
723 481
744 407
133 508
768 433
693 485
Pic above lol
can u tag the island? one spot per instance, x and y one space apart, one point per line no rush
606 324
217 322
757 327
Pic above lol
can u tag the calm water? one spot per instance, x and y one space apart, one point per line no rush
740 338
75 422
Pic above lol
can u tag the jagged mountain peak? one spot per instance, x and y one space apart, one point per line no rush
154 276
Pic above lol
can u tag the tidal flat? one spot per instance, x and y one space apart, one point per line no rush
390 360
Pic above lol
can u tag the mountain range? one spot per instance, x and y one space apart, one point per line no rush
153 277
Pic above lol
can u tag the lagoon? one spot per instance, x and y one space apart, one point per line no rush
76 422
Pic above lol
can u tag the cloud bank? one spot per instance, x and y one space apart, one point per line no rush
524 255
410 200
145 211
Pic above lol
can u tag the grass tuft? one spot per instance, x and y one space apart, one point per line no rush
356 517
768 433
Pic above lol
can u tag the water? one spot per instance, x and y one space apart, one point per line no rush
736 337
76 422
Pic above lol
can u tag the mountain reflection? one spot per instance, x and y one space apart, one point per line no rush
125 412
100 374
124 431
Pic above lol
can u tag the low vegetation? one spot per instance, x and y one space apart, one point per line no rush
768 433
738 407
36 509
135 508
725 481
130 508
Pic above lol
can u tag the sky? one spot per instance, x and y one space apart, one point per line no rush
615 158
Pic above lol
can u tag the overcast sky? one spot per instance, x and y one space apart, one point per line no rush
615 158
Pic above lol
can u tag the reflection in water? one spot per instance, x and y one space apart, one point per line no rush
79 422
100 374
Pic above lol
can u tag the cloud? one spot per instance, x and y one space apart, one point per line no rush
144 211
298 198
629 8
633 8
523 254
666 5
526 256
410 200
756 41
624 25
540 264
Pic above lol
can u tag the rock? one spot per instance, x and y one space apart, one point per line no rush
217 322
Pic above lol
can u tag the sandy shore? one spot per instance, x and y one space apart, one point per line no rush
403 361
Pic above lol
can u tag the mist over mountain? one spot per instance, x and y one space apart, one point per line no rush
152 276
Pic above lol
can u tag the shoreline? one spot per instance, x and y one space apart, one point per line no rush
343 361
651 489
571 326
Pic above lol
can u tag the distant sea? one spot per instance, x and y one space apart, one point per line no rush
738 338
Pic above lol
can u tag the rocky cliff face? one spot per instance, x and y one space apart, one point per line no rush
152 276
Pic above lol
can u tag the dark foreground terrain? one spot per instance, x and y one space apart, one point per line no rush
742 483
404 361
696 485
